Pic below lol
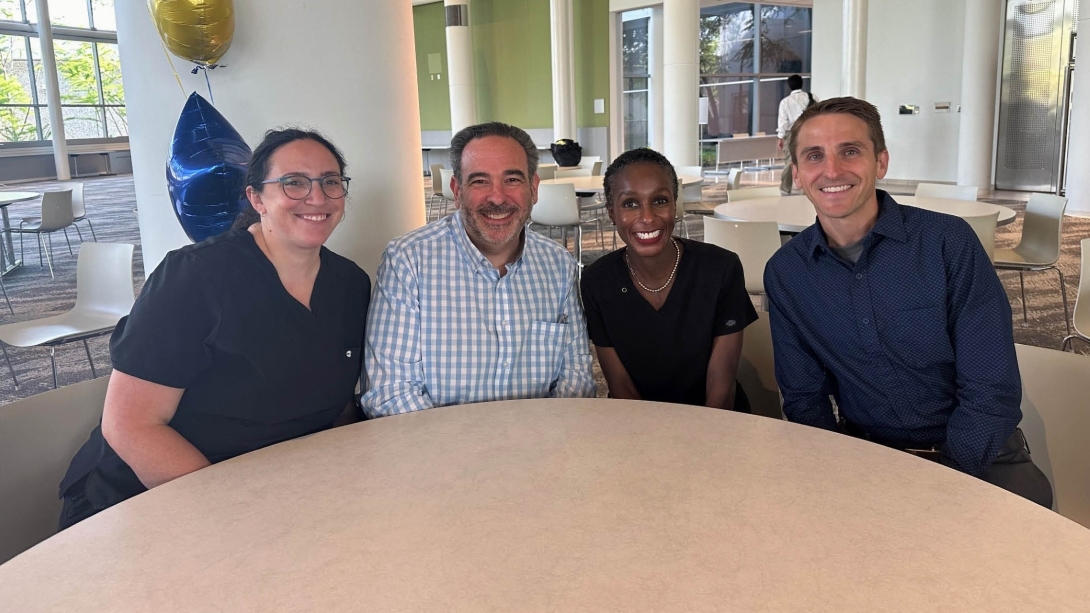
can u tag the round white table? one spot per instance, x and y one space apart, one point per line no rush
6 198
564 505
594 183
796 213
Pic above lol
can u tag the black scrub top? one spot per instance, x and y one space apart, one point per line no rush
666 352
257 366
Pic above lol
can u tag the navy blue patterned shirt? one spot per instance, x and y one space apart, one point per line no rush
914 340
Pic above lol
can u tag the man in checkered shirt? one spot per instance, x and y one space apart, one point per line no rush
474 308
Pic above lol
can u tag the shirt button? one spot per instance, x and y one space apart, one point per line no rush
865 321
858 275
505 363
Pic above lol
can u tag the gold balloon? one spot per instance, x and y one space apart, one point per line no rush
197 30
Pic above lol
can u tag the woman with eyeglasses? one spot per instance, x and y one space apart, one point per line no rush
241 341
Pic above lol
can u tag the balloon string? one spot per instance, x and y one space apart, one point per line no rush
208 82
166 53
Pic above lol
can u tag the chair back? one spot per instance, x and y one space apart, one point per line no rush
734 178
596 169
437 179
749 193
564 173
556 206
1055 422
445 175
588 161
757 370
984 226
692 171
38 437
546 173
104 278
952 192
740 135
56 210
753 241
79 209
1081 320
1042 229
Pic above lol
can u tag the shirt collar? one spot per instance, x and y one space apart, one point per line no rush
473 255
890 224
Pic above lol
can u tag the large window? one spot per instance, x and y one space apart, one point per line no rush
635 52
747 51
88 71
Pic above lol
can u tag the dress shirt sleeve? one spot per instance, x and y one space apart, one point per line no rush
576 378
989 390
784 123
804 382
393 363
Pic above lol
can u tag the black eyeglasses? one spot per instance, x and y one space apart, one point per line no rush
298 186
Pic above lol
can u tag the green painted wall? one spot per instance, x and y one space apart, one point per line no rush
429 22
511 45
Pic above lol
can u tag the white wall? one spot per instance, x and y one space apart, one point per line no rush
914 52
367 104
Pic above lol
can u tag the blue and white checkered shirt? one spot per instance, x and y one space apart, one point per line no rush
445 328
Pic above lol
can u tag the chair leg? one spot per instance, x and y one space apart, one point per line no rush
53 362
48 255
1066 342
579 245
78 233
95 238
94 375
1063 296
67 241
10 369
6 299
1022 285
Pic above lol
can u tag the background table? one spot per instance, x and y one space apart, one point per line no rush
796 213
594 183
564 505
6 198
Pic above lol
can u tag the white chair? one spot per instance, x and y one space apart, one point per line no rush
56 215
1039 248
1055 422
951 192
445 175
984 226
546 173
38 437
565 173
734 178
757 370
436 187
753 241
694 192
558 207
104 294
1080 319
591 163
752 192
79 211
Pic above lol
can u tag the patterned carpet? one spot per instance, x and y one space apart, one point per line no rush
111 204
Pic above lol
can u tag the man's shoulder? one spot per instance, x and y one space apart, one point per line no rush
421 240
543 249
796 250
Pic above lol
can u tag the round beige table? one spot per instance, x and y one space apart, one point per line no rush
796 213
594 183
6 198
564 505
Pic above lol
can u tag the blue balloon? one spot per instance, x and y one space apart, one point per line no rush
206 170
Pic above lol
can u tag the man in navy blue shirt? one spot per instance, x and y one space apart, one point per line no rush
893 311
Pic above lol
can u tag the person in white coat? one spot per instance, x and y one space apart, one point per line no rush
790 108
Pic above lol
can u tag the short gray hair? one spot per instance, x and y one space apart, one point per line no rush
492 128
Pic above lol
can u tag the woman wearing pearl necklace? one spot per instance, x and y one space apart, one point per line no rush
665 315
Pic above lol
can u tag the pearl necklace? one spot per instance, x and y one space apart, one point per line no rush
636 278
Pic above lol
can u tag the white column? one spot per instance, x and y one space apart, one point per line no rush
460 71
853 78
1078 149
681 80
53 92
563 70
979 70
359 89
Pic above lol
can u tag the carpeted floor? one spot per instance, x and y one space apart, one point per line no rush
111 204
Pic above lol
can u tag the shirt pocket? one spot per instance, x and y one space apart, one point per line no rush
543 355
919 338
